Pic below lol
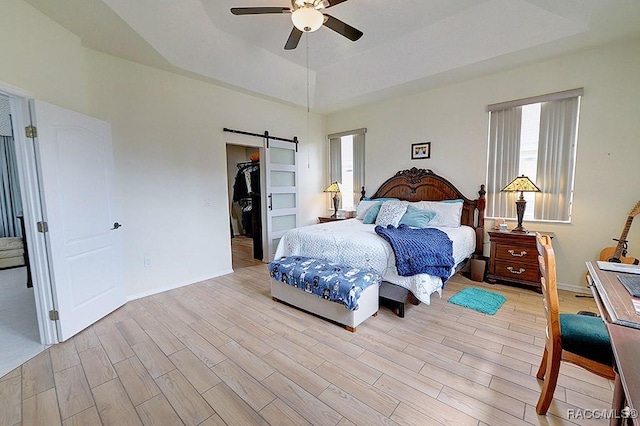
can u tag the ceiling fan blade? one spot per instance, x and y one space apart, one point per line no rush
341 28
331 3
294 38
259 10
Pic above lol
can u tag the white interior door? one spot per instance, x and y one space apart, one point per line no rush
281 162
75 162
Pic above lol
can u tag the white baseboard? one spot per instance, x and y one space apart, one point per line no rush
574 288
176 285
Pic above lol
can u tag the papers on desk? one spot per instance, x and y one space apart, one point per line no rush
616 302
636 305
619 267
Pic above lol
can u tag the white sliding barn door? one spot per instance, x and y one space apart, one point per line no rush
281 172
75 164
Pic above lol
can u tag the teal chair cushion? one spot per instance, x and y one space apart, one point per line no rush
586 336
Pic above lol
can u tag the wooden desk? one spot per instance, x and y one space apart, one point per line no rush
615 306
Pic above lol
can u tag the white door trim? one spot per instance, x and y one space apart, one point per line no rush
263 204
32 211
14 91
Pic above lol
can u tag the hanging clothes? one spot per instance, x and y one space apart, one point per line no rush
246 192
247 181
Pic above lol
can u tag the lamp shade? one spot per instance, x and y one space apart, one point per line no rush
334 187
307 19
521 184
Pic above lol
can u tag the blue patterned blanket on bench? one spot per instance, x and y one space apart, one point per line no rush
420 251
331 281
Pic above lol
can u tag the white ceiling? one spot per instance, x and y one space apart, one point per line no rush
408 45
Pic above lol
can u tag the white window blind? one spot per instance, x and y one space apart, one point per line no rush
536 137
346 159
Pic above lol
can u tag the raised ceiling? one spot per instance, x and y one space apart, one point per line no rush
407 45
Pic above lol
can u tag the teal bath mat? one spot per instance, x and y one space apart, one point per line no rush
479 300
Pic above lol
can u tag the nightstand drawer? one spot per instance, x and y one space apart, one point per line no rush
517 271
513 253
514 258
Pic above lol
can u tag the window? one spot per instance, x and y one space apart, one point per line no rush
535 137
346 159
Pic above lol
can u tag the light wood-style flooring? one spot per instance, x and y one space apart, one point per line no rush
222 352
242 252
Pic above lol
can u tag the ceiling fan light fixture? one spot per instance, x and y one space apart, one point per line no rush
307 19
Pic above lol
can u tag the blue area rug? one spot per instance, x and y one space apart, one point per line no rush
479 300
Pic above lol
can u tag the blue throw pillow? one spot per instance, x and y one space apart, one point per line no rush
417 218
453 201
371 214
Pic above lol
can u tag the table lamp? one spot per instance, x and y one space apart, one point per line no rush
522 184
334 188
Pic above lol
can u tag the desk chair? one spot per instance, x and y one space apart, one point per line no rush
579 339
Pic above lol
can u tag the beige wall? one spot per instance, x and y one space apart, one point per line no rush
455 120
169 146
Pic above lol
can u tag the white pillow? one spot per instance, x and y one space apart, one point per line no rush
391 212
363 207
447 213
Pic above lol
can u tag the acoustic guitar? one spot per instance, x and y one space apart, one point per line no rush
618 253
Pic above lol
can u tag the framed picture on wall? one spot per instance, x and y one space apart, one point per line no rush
420 150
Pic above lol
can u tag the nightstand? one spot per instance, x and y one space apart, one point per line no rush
323 219
514 258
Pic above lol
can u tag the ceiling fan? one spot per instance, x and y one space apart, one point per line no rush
307 16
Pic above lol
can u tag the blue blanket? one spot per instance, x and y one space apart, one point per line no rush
331 281
420 251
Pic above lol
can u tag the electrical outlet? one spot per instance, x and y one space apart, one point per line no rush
147 262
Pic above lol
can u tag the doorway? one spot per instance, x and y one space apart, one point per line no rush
19 327
245 205
73 253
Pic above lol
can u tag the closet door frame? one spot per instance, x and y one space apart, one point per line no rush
32 210
263 205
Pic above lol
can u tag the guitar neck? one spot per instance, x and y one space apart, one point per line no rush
623 238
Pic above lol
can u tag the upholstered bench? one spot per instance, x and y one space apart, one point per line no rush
339 293
11 252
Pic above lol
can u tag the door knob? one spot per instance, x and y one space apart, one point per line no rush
116 225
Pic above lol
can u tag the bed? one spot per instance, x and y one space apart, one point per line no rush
351 242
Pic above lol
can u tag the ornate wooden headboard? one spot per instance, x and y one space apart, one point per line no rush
424 185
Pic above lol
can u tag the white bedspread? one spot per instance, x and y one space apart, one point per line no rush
352 243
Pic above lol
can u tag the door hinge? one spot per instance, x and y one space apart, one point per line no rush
53 315
43 227
31 132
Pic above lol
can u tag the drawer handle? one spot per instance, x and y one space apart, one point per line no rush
514 254
518 272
